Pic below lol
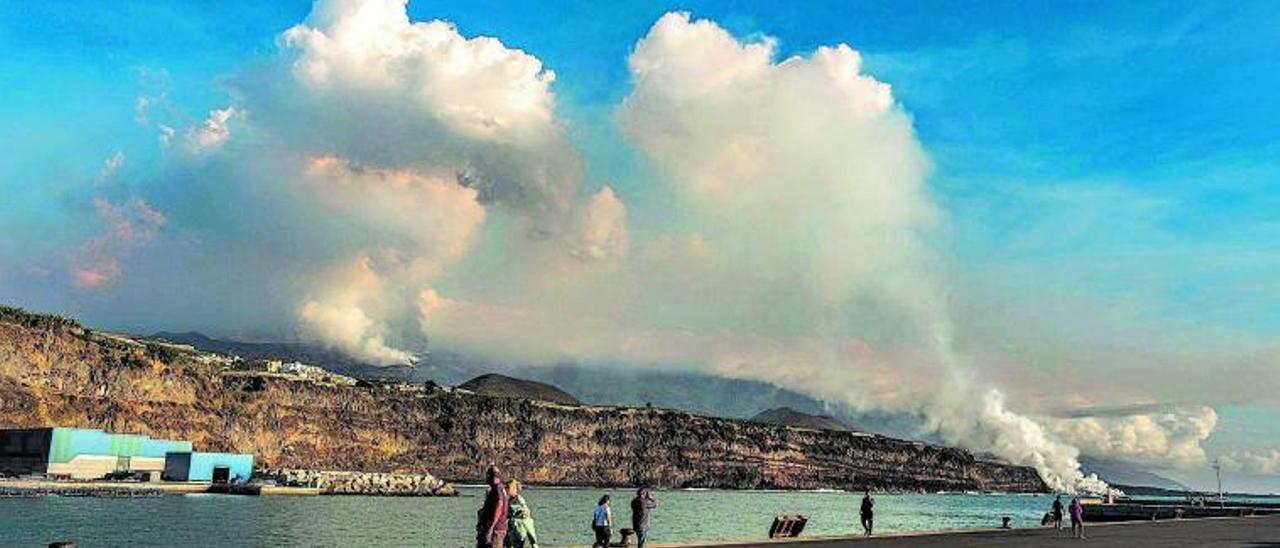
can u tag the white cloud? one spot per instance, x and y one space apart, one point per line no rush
1252 462
388 141
601 231
111 165
359 80
126 227
211 134
1170 439
436 214
166 135
477 86
141 110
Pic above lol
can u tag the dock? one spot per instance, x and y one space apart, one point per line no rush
1153 510
1236 532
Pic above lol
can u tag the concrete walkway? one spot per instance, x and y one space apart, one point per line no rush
1250 532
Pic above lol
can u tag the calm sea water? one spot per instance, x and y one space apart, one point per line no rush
562 517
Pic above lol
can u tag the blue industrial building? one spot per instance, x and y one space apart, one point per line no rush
213 467
83 453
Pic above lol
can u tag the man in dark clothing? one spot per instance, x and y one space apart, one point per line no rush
867 512
1057 513
640 507
491 520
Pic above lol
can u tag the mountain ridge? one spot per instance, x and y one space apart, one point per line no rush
592 384
787 416
495 384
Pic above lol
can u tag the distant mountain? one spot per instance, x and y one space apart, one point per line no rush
1124 473
450 369
600 384
493 384
787 416
707 394
303 352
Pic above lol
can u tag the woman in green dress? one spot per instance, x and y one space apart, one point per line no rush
521 533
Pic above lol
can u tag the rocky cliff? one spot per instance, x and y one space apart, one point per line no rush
55 372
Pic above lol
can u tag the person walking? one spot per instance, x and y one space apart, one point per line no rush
520 531
1057 513
491 519
602 523
1077 519
640 507
867 512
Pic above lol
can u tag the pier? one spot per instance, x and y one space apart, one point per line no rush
1219 532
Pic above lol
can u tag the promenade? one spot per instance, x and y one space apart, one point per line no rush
1250 532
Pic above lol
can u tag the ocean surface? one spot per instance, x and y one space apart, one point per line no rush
562 516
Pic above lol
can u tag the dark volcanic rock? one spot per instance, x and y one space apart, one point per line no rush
787 416
494 384
55 373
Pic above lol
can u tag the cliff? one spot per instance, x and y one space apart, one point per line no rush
55 372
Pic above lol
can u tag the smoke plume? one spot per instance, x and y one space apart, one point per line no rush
384 185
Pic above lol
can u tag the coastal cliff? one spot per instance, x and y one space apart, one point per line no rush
55 372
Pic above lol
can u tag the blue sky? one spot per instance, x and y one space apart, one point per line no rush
1108 171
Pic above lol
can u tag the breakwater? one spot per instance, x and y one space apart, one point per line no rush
329 482
1166 510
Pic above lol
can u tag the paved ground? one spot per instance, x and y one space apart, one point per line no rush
1254 532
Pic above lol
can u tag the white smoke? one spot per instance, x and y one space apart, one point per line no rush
1168 439
434 220
416 184
340 318
389 141
800 257
811 164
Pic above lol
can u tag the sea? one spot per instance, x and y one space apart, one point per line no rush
562 517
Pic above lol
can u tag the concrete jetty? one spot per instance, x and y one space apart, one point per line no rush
1217 532
29 487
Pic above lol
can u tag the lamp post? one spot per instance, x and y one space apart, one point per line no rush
1217 468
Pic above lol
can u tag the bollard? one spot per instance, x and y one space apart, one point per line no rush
1004 522
626 537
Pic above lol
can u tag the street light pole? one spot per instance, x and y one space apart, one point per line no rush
1217 468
